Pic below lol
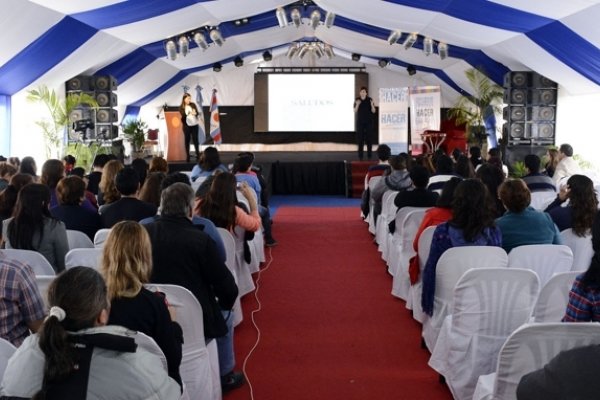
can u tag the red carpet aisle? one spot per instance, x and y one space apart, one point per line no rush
330 329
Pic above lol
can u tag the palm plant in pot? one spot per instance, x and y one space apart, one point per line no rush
134 131
471 109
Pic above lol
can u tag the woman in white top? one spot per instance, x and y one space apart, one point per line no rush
189 119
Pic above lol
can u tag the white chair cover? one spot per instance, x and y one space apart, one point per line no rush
543 259
541 200
394 239
388 213
43 282
414 292
100 237
529 348
147 343
242 270
554 297
201 379
7 349
489 304
84 258
581 247
450 267
229 244
35 260
370 219
78 240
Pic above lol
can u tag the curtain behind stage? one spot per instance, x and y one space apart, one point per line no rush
175 146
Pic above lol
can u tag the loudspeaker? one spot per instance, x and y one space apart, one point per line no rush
517 79
540 81
106 99
106 132
514 113
541 113
515 96
106 115
79 114
106 83
513 154
542 96
81 82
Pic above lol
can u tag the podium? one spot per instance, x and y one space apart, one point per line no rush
175 143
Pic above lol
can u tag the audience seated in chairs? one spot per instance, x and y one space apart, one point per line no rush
444 170
150 191
22 310
184 255
80 172
93 179
52 172
535 180
158 164
8 197
107 191
464 168
398 179
6 172
34 228
70 193
581 209
382 167
566 166
75 354
141 167
419 196
208 163
475 156
472 224
28 166
492 177
523 224
126 266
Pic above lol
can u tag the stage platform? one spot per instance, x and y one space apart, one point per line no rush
298 172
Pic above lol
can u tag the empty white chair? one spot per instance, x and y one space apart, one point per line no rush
529 348
543 259
489 304
7 349
43 283
414 292
100 237
450 268
554 297
84 258
200 376
78 240
229 244
581 247
35 260
541 200
388 213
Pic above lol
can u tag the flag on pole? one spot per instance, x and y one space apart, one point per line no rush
201 129
215 125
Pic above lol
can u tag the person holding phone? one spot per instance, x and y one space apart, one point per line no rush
364 108
189 119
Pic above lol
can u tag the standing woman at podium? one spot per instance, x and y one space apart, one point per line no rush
189 119
364 107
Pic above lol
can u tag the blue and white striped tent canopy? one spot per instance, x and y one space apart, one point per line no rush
50 41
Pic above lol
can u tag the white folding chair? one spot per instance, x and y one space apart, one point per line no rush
7 349
415 291
100 237
581 247
489 304
198 372
35 260
554 297
400 249
370 218
541 200
388 213
529 348
78 240
229 244
543 259
84 258
450 267
242 270
43 283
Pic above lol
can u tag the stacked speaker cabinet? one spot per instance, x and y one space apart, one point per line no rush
530 111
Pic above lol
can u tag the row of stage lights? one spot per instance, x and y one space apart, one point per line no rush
182 46
411 39
314 19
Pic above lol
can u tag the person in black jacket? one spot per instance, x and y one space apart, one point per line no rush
364 108
184 255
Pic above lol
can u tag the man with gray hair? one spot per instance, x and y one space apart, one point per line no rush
566 166
182 254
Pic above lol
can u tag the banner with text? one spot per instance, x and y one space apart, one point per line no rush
393 118
425 103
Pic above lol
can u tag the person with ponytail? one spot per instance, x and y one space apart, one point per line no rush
76 356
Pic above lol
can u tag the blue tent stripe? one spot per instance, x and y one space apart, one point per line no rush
131 112
161 89
43 54
129 65
570 48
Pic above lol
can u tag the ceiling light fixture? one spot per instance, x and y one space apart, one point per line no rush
216 37
355 57
428 46
238 61
184 45
394 36
328 50
281 17
267 56
200 40
315 19
329 19
292 50
411 70
171 49
217 67
383 63
410 41
303 50
296 17
442 50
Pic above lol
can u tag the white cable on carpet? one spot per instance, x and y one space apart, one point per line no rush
254 321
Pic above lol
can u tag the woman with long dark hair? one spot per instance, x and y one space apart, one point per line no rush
582 208
108 192
32 227
208 164
126 265
189 120
472 224
76 356
8 197
28 166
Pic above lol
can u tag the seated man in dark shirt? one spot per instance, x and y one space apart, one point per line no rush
128 207
536 181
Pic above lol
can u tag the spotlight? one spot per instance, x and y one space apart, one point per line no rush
328 50
292 50
442 50
267 56
315 19
383 63
184 45
394 36
296 17
329 19
238 61
216 37
281 17
241 21
217 67
355 57
411 70
171 49
427 46
409 41
316 49
303 50
200 40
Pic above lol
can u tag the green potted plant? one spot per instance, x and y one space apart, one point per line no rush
471 109
134 131
54 128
